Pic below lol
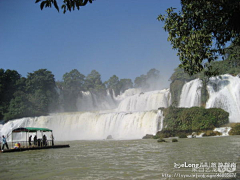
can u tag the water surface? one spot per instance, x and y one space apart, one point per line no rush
119 159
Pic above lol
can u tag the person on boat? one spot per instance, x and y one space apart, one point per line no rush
29 140
44 140
52 139
35 140
4 141
17 146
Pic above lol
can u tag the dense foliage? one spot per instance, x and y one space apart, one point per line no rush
194 119
201 30
32 96
8 85
39 94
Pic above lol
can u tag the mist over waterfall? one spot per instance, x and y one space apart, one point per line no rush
89 125
136 114
191 94
92 102
224 92
132 114
146 101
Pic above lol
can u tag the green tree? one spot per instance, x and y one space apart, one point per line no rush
200 31
8 86
140 82
67 5
125 84
94 83
233 55
20 107
41 89
74 81
113 84
153 74
73 84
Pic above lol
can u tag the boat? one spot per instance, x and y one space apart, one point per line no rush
36 144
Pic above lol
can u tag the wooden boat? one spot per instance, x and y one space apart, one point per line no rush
38 144
33 148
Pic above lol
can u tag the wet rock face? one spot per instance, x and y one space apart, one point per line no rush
109 137
148 136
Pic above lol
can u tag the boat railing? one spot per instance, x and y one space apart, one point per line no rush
25 144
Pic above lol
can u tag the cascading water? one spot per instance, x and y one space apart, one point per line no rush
92 102
89 125
126 122
136 115
224 93
145 101
191 94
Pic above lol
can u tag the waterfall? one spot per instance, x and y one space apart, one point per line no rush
191 94
90 125
160 118
92 102
224 93
145 101
133 114
136 116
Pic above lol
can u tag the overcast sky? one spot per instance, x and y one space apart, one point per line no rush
112 37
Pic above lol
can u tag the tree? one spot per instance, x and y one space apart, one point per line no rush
8 86
19 107
94 83
67 5
140 82
125 84
153 74
73 84
41 79
113 84
41 89
200 31
149 81
233 55
74 81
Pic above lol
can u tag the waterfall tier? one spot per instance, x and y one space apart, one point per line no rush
224 93
91 102
145 101
89 125
191 94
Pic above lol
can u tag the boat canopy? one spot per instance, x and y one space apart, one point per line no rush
31 129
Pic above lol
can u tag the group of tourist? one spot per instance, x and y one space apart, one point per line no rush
35 141
44 140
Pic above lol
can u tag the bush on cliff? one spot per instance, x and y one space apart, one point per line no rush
194 119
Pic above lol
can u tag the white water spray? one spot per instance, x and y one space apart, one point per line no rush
224 93
92 102
191 94
89 125
146 101
131 120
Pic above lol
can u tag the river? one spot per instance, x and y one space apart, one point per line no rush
121 159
